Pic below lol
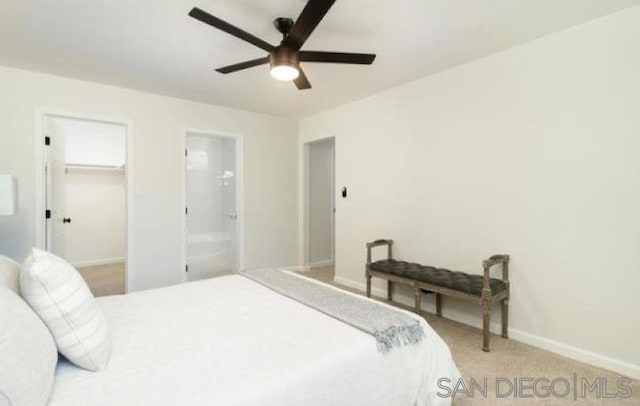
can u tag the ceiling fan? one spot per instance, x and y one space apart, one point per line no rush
285 58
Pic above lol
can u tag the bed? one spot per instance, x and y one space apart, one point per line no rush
232 341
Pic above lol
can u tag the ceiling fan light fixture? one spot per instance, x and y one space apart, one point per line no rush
284 64
285 73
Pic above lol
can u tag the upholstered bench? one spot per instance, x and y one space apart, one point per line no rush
480 289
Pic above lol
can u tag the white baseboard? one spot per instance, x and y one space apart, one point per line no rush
307 268
569 351
297 268
97 262
578 354
320 264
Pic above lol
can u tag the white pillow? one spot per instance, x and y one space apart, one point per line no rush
27 352
9 271
62 299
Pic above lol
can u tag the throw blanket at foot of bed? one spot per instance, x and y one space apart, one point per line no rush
390 327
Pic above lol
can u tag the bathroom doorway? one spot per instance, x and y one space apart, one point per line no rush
212 205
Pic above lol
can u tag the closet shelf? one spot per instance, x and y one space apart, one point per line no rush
95 167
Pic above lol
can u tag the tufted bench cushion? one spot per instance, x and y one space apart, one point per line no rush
438 276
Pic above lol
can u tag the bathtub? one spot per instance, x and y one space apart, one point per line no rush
210 254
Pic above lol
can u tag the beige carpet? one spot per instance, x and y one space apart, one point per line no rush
104 280
511 359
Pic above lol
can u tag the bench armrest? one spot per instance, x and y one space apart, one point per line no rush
377 243
490 262
495 260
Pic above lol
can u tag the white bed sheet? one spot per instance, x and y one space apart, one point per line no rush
230 341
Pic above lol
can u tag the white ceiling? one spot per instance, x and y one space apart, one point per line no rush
152 45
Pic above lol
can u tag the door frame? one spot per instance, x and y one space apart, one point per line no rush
239 141
41 185
304 213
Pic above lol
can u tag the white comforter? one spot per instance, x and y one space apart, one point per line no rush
230 341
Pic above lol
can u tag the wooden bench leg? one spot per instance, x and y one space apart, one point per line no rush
368 284
418 295
505 318
486 319
439 304
389 290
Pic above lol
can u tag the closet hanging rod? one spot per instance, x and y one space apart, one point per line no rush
95 167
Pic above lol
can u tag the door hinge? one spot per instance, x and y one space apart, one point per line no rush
47 140
186 268
186 152
47 213
186 210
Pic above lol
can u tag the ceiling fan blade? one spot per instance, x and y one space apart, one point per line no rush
337 57
308 20
243 65
207 18
301 81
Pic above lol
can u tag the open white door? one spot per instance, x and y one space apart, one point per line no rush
56 172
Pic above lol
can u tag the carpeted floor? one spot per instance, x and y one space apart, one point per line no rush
104 280
516 362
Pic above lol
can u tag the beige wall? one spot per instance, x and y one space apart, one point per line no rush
95 202
156 169
533 152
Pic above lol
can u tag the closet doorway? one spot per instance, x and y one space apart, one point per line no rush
213 215
85 195
320 207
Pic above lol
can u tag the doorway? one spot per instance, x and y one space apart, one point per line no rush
85 195
321 208
213 218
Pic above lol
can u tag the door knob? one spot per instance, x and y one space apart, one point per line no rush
66 220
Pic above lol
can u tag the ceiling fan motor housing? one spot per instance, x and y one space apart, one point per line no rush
284 56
